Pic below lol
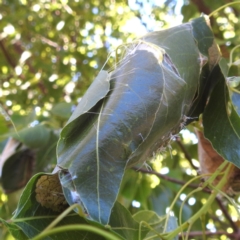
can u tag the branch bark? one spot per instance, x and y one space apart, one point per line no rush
186 154
227 216
208 233
170 179
7 55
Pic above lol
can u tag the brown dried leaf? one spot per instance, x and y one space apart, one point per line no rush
210 160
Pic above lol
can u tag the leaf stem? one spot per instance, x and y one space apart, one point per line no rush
77 227
205 207
231 55
152 229
177 196
184 201
203 222
222 7
61 216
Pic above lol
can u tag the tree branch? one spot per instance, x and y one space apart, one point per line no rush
186 154
7 56
170 179
208 233
226 214
19 50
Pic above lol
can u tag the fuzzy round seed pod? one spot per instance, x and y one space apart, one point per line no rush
49 193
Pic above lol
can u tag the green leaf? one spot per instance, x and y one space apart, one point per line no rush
33 137
3 124
14 230
62 110
205 38
19 163
209 58
222 124
21 121
161 194
122 222
46 154
179 43
97 91
17 170
31 218
234 92
150 92
172 225
235 97
155 223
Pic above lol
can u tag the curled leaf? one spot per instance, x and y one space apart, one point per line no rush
128 114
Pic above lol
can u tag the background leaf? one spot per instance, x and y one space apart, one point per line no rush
33 137
62 110
17 170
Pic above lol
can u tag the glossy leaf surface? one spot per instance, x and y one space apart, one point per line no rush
222 123
128 114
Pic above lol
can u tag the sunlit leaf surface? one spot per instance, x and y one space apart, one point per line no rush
150 91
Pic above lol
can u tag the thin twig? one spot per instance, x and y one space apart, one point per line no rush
208 233
170 179
186 154
6 54
226 214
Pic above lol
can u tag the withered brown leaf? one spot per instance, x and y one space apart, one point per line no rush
210 160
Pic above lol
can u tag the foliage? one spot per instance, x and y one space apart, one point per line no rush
51 52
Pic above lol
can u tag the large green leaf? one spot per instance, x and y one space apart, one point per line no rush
222 123
128 114
209 58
